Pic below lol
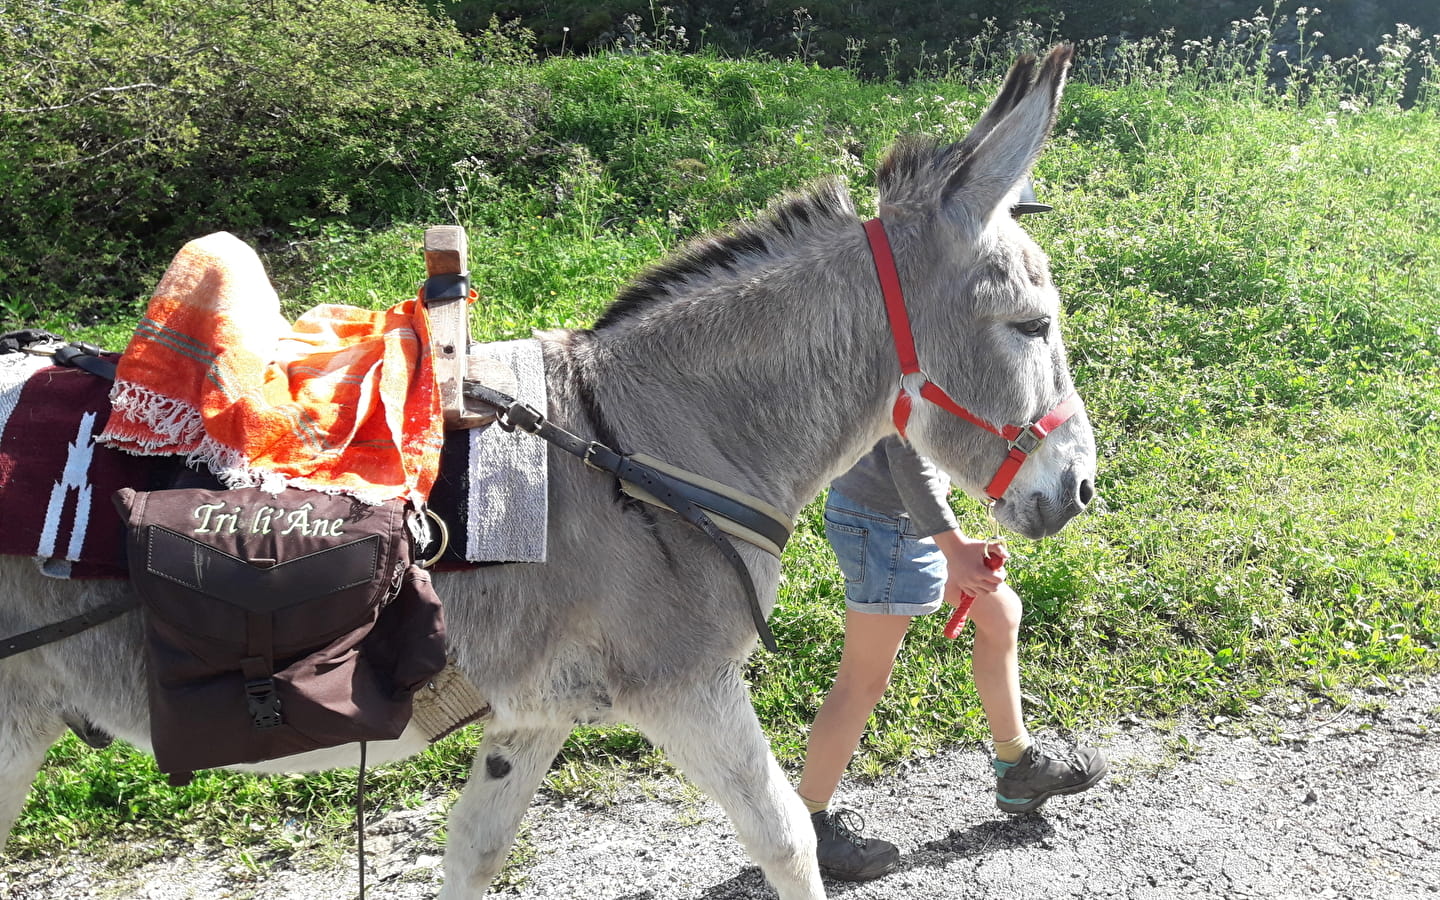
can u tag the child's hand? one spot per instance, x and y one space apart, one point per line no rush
969 571
975 567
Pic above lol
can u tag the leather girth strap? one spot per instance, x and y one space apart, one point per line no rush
39 637
685 498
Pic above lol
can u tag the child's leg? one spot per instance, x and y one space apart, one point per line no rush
871 644
995 661
1026 776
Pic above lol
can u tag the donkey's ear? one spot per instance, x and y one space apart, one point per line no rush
996 155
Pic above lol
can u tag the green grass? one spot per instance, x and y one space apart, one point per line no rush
1252 284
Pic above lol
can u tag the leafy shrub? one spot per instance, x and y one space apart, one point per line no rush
128 128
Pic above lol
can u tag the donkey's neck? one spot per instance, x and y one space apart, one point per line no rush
772 376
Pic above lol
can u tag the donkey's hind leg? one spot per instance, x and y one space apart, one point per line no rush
711 733
25 735
504 777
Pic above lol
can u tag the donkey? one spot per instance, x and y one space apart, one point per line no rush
761 358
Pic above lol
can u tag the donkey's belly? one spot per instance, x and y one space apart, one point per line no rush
377 753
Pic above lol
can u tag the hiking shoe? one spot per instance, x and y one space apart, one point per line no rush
1023 785
843 853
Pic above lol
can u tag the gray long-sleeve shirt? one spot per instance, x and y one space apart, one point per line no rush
892 478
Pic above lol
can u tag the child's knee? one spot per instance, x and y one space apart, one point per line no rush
997 614
862 687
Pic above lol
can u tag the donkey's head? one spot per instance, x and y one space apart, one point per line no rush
985 314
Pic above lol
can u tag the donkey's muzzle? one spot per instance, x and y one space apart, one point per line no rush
1040 514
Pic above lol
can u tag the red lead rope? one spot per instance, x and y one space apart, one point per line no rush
1024 439
994 558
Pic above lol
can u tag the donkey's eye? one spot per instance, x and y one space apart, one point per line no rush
1034 327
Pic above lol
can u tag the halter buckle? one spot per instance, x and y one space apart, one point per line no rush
1028 440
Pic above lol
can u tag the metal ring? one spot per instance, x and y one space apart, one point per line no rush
444 539
912 383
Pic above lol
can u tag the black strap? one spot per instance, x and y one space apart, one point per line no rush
662 486
25 338
724 506
667 489
76 354
49 634
360 819
731 509
87 358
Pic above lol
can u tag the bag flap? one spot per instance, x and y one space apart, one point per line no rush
262 585
318 564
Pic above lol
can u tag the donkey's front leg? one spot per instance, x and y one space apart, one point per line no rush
482 825
25 735
710 731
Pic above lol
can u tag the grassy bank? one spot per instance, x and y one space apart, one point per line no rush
1251 280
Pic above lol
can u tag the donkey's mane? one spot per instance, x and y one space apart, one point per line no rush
919 167
826 202
910 158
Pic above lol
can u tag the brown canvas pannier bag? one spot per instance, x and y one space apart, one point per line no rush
277 624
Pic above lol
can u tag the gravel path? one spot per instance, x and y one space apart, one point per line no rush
1302 801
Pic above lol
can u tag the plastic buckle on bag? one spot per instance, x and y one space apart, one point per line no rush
264 703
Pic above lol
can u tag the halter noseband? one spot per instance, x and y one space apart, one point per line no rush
1024 439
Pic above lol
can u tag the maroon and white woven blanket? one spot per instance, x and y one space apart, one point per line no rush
55 482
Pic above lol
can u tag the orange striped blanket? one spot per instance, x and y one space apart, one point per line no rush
343 401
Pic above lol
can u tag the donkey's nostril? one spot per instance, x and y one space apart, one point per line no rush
1085 493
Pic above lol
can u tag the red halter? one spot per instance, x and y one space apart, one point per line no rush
1024 439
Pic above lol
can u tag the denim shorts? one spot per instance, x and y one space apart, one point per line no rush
888 569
